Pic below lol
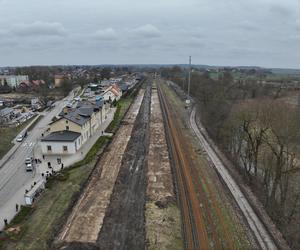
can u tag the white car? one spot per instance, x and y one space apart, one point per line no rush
28 160
20 138
29 164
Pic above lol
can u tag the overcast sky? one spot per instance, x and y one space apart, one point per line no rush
215 32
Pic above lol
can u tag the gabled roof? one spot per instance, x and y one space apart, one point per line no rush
62 136
76 118
81 114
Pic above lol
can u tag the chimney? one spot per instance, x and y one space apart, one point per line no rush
65 110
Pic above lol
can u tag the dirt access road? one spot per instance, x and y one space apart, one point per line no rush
123 226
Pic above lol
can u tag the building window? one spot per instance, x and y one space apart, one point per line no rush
65 148
67 128
67 121
49 148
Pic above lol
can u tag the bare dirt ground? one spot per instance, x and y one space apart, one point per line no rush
123 226
163 224
85 221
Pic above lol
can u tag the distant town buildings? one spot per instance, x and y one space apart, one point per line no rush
59 78
13 81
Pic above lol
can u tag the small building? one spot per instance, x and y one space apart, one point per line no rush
34 192
93 87
112 93
61 143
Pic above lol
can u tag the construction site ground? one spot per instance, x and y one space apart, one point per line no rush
163 224
225 226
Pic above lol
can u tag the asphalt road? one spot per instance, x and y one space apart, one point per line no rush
13 177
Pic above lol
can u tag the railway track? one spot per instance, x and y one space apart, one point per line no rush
195 234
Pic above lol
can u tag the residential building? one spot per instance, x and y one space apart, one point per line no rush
82 122
112 93
13 81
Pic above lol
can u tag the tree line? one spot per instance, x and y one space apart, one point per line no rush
259 133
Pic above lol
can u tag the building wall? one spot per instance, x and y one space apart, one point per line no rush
61 125
85 130
109 96
96 120
57 82
13 81
57 148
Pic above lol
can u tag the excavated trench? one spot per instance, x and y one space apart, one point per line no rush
123 225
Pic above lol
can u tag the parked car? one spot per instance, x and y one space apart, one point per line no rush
29 164
20 138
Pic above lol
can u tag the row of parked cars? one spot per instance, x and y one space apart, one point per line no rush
29 162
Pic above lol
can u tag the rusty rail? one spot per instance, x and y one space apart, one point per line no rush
194 229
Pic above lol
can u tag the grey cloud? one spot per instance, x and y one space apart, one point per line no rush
281 9
148 31
248 26
105 34
39 28
213 32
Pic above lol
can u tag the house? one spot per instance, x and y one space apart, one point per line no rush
112 93
58 79
6 115
73 128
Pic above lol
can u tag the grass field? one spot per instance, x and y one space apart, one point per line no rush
8 134
31 127
122 107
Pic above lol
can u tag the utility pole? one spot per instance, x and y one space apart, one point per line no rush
188 100
189 80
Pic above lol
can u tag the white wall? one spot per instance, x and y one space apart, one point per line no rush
57 147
